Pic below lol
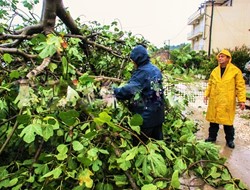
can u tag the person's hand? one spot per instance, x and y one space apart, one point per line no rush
107 96
242 105
205 100
109 100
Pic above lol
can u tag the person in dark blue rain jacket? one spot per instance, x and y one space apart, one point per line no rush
145 93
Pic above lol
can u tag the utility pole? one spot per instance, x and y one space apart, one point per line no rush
211 28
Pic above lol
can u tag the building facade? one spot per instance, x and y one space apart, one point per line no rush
219 24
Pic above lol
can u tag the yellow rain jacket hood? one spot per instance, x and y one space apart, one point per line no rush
223 91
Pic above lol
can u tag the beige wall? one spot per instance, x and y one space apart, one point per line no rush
231 26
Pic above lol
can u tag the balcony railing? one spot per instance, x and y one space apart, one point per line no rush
196 16
198 31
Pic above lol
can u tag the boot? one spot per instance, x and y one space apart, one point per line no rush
212 132
229 135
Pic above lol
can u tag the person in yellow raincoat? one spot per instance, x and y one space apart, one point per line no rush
225 84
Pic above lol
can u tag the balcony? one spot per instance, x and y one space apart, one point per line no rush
192 20
197 32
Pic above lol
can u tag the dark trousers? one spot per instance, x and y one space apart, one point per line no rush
228 130
152 132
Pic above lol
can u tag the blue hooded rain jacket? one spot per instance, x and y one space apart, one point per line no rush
144 90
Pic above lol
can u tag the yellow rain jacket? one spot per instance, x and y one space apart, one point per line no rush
222 93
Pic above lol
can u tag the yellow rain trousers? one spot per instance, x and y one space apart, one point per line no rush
222 93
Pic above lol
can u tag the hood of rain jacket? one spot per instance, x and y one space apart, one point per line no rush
139 55
225 52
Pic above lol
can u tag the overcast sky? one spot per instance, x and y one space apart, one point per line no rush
158 21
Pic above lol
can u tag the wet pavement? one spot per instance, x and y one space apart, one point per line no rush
238 160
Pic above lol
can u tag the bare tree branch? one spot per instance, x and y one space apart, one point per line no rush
38 69
15 36
17 51
25 31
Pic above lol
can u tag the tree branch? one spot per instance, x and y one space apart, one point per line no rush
94 44
70 23
29 30
127 173
38 69
15 36
16 51
10 135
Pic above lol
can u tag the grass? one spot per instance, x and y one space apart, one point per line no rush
248 95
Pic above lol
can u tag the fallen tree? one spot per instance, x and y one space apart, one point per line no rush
58 133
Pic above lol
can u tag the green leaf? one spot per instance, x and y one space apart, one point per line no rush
225 175
125 165
50 47
169 153
145 168
41 168
90 135
214 174
51 121
14 74
62 149
139 161
104 186
47 50
132 153
136 120
96 165
149 187
159 164
85 79
27 4
242 185
175 183
4 183
23 119
137 129
120 180
52 67
12 182
77 146
7 58
93 153
61 156
71 163
184 138
229 187
56 173
29 132
103 151
37 39
178 123
47 132
18 187
179 165
31 179
69 117
103 118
